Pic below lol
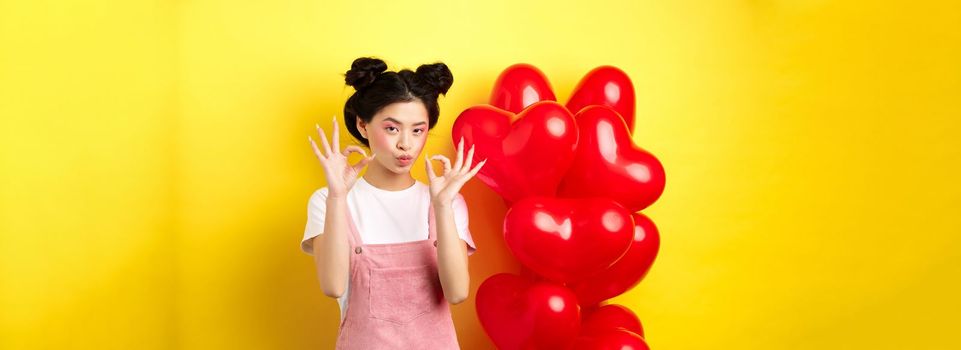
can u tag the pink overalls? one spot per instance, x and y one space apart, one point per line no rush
395 299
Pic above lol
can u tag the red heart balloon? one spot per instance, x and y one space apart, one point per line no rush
605 86
528 154
532 276
608 164
566 239
520 314
611 339
520 86
627 271
609 317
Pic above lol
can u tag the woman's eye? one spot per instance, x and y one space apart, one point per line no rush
416 131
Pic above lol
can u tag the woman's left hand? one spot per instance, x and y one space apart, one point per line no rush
443 189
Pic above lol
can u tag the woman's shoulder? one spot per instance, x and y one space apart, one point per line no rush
320 193
318 199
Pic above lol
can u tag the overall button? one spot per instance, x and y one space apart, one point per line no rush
357 250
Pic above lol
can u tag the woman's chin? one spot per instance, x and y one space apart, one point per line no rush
398 169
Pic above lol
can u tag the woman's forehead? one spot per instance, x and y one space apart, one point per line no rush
405 113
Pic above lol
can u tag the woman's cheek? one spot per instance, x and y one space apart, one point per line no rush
422 141
382 142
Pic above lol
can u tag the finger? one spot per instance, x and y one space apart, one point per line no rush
470 158
316 150
430 169
363 162
476 169
323 137
353 149
460 155
336 145
444 159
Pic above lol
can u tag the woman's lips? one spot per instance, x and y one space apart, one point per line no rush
405 161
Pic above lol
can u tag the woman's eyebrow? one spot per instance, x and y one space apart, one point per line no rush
389 119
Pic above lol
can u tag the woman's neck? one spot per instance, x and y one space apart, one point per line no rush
387 180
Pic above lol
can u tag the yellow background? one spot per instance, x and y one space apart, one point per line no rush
155 169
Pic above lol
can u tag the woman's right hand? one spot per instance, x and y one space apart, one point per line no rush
340 175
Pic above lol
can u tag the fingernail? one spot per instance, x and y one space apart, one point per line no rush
317 125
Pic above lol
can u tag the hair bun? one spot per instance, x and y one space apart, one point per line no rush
363 72
435 76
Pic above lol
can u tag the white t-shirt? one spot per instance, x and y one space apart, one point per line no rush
383 216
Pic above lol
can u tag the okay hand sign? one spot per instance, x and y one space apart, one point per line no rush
340 175
444 188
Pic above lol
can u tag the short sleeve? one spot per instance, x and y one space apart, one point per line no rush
461 220
316 213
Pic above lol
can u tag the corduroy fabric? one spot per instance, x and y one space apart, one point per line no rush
396 300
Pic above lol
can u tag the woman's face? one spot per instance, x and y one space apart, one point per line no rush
397 134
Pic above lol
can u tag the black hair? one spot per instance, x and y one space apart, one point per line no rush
376 88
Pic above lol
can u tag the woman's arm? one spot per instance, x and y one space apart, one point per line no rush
451 249
451 255
331 249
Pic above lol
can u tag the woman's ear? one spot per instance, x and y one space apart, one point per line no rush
362 127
